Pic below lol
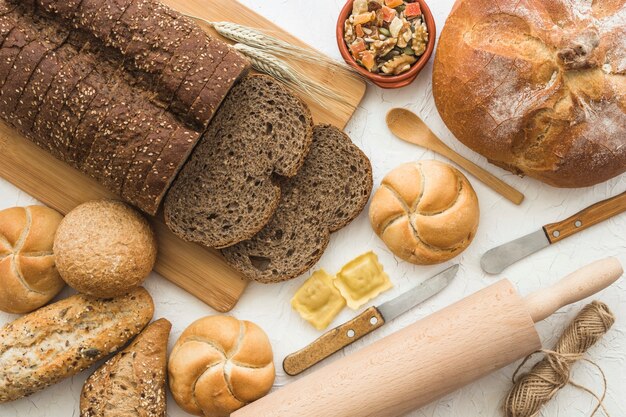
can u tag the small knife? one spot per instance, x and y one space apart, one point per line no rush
499 258
365 323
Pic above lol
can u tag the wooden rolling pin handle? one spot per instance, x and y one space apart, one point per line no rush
575 287
333 341
586 218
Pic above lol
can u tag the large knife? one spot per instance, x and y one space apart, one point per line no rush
365 323
499 258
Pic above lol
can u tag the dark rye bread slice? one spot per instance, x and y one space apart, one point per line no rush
15 41
207 60
23 68
210 98
226 192
331 190
37 89
163 172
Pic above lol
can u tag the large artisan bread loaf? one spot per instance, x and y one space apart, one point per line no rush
330 190
537 86
227 192
62 339
132 383
76 97
191 71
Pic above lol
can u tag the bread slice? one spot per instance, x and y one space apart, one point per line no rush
226 192
329 192
132 383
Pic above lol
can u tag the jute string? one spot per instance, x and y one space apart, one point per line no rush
533 390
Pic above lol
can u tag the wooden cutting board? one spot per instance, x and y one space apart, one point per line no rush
199 271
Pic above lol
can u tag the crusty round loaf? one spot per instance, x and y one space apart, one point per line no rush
426 212
28 274
537 86
104 248
219 364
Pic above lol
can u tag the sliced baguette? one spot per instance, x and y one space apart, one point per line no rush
132 383
331 189
226 191
62 339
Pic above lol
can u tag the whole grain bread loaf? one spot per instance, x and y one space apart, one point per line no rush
62 339
227 191
537 86
132 383
191 72
74 96
330 190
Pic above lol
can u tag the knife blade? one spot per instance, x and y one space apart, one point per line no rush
499 258
366 322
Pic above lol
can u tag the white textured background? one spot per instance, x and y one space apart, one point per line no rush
501 221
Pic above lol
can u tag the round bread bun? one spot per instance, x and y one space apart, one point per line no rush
28 275
219 364
104 248
538 86
426 212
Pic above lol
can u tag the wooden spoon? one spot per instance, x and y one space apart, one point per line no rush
409 127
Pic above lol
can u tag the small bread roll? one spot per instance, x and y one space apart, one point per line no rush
426 212
28 275
220 364
104 248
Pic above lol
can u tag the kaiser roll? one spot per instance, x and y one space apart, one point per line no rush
28 275
219 364
537 86
426 212
104 248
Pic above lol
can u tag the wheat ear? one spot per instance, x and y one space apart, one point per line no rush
258 39
269 64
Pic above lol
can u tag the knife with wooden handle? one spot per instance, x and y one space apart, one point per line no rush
499 258
365 323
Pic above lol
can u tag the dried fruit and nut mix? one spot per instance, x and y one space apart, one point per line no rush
386 36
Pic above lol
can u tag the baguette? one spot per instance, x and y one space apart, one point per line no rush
62 339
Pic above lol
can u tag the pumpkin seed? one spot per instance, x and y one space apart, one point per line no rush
384 31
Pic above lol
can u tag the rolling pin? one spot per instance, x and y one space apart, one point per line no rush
434 356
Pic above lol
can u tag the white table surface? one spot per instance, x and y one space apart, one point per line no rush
268 305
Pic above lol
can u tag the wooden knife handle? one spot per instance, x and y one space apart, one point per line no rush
582 220
333 341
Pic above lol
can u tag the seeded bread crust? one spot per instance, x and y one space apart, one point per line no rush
162 43
226 191
132 383
62 339
331 190
108 86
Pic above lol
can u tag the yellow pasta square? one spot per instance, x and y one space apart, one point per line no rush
361 280
318 301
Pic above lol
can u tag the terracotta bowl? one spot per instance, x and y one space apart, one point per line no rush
388 81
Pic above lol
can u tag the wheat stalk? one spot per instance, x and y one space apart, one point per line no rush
269 64
258 39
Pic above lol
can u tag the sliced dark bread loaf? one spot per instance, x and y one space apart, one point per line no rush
226 192
170 48
329 192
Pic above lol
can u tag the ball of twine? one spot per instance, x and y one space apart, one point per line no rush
533 390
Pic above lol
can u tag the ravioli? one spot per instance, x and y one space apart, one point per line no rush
361 280
318 301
